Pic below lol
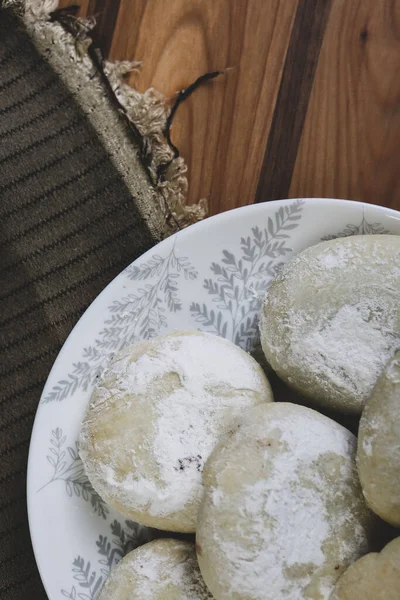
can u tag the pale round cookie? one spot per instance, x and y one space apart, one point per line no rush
378 452
161 570
331 319
283 513
155 417
372 577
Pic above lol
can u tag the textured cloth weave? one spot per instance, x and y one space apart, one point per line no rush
68 226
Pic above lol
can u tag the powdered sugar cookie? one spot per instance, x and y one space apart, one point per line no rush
378 451
331 319
155 417
283 514
373 577
161 570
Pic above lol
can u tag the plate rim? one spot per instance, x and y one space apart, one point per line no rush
214 219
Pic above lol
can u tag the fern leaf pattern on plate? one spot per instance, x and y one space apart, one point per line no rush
238 282
362 228
139 315
67 467
88 581
219 288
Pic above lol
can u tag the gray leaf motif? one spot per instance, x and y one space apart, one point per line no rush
67 467
124 538
363 228
239 283
137 316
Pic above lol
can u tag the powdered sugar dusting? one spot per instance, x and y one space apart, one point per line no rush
200 360
393 370
193 387
331 319
300 518
367 440
367 446
188 420
333 258
350 349
148 569
160 567
303 512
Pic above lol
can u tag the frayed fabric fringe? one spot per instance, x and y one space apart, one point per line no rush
161 199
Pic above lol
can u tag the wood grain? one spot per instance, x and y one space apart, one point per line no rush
283 120
106 13
350 147
221 130
292 102
83 6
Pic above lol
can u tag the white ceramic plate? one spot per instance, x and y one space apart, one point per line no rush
176 285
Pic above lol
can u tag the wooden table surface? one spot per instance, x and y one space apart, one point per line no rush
311 106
